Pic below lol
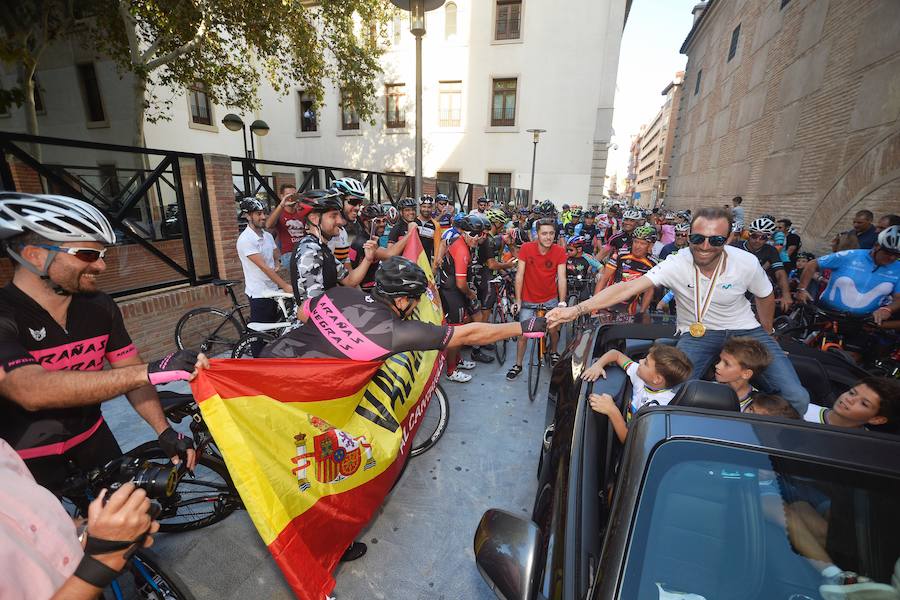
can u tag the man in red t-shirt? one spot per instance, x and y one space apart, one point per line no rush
287 223
540 279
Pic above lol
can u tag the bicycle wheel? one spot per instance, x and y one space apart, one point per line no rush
208 330
534 369
243 349
498 315
143 579
433 425
206 498
572 326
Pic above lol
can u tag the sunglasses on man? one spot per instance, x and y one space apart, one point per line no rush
759 236
87 255
714 240
353 201
476 236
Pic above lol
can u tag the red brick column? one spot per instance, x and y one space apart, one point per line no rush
223 212
24 177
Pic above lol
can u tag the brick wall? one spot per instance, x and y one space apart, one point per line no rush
24 177
804 121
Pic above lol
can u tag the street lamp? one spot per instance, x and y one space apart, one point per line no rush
232 122
537 135
417 10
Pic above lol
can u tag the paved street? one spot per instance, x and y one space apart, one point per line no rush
420 542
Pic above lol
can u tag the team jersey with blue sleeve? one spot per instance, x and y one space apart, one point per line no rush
857 284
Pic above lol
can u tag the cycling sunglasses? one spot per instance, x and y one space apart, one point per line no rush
681 235
759 236
352 201
442 202
714 240
476 235
87 255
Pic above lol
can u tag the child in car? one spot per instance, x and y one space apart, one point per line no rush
739 360
873 401
771 405
652 380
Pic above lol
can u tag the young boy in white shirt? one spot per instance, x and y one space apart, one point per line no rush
652 379
739 360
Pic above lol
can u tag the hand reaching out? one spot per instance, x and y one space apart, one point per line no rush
594 372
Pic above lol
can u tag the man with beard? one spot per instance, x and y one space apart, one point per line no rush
709 284
426 225
352 195
56 331
634 264
760 232
620 243
372 218
314 268
286 222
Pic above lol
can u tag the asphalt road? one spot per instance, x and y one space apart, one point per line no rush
420 542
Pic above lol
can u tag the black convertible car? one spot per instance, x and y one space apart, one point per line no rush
702 502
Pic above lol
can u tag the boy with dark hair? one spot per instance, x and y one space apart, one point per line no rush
771 405
652 380
739 360
873 401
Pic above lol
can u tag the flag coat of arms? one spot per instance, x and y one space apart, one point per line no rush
314 445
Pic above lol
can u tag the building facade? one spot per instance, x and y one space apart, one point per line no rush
793 105
655 149
491 70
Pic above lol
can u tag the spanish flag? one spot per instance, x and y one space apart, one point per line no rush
315 445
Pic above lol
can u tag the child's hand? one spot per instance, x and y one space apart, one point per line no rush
594 372
603 404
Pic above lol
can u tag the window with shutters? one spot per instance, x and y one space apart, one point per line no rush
509 18
395 105
503 104
349 116
450 103
201 111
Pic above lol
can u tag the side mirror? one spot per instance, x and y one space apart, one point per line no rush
506 548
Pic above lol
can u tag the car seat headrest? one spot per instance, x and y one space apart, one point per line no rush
706 394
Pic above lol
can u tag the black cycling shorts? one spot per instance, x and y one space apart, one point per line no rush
456 306
51 471
487 292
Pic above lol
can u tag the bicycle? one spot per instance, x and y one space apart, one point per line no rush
211 330
142 577
579 287
502 311
537 356
260 334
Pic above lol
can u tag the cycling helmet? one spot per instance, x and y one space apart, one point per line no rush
442 198
482 199
445 220
390 211
645 232
372 211
889 239
400 277
681 227
407 203
565 207
576 212
806 255
735 227
321 201
350 187
575 240
473 224
56 218
763 225
426 199
497 216
767 216
251 204
524 211
633 214
458 217
589 214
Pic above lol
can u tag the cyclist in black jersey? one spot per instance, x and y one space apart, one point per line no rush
761 231
56 331
350 323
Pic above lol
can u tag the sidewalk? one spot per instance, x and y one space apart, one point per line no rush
420 542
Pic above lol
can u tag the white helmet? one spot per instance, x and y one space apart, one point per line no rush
762 225
350 187
889 239
57 218
633 213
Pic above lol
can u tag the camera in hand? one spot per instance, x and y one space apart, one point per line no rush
157 480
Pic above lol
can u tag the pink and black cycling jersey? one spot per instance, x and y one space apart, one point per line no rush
346 322
94 333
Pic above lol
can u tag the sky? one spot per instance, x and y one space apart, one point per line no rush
648 61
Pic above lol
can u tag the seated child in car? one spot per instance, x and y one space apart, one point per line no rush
771 405
652 380
873 401
739 360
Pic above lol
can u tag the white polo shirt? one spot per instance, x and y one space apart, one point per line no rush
256 283
728 308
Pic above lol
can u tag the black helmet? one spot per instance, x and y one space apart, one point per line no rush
372 211
398 277
252 204
321 201
474 224
426 199
407 203
589 214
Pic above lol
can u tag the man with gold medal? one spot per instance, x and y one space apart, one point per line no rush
710 283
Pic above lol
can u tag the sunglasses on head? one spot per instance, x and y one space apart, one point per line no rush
714 240
87 255
759 236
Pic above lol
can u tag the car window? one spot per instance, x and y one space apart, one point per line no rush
721 523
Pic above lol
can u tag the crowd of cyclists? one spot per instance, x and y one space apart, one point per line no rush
338 254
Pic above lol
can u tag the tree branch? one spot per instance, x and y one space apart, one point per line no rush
130 32
181 50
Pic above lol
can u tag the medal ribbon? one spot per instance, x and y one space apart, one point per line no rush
712 286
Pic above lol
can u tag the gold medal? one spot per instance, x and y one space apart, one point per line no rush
698 329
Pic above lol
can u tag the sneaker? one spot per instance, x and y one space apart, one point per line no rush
482 357
466 365
459 377
513 372
868 590
356 550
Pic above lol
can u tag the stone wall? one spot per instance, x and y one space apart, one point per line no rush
803 122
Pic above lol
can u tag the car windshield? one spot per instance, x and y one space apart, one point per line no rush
720 523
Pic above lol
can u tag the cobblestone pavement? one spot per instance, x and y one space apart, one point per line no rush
420 541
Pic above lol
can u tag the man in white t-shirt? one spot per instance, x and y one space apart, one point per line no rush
724 275
256 250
